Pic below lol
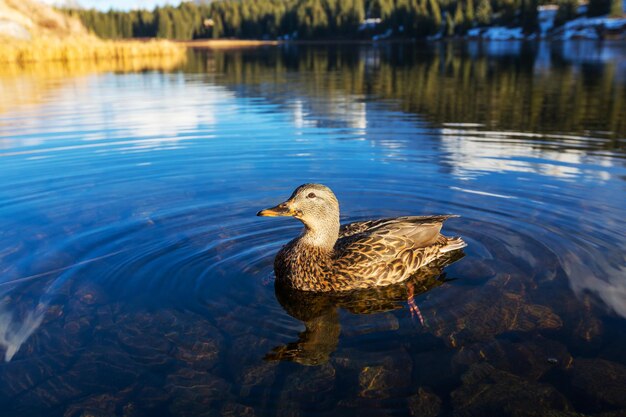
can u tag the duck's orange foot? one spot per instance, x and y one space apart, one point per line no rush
413 308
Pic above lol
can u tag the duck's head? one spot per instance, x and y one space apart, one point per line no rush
316 206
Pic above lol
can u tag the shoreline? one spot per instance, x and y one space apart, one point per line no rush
253 43
227 43
598 29
222 44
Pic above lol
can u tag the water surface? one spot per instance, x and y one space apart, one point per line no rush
135 279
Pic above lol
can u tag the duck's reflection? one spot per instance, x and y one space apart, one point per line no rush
320 311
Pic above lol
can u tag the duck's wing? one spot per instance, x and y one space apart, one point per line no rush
351 229
388 250
397 225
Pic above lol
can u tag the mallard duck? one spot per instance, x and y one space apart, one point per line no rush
319 311
365 254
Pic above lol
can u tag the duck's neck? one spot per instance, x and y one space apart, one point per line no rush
322 236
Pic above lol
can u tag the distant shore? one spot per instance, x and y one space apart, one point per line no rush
250 43
580 28
224 44
227 43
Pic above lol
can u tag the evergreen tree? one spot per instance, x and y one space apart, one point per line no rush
381 9
435 12
218 27
598 7
177 24
469 12
530 17
110 25
449 25
312 19
125 25
617 8
401 17
508 10
232 20
145 25
99 25
565 12
163 24
356 14
459 19
483 13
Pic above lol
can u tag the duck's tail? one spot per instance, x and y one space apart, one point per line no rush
452 244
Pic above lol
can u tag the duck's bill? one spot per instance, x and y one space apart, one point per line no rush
279 210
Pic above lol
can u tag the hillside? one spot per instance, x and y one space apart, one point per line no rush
33 32
331 20
28 19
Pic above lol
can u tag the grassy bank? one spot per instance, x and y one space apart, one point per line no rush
87 48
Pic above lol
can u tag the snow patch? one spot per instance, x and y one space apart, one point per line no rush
496 33
581 28
546 15
14 30
589 28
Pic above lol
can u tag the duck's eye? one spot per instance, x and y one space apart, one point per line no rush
311 195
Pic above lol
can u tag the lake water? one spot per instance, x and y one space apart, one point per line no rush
135 279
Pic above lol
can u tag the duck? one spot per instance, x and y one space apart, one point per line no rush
319 312
329 257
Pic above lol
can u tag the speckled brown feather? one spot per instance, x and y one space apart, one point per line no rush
367 254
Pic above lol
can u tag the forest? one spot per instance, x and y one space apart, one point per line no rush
327 19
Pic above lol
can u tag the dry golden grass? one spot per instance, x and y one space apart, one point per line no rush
86 48
34 32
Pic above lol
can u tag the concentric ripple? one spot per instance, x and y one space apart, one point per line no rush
134 274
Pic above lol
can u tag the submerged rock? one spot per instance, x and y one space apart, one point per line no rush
237 410
202 353
103 405
195 392
487 391
377 376
502 305
250 377
529 359
313 380
616 413
307 389
600 383
375 381
424 404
